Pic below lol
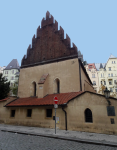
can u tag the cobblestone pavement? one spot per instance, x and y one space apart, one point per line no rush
70 134
13 141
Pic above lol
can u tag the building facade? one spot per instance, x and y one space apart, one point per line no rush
11 73
2 69
108 76
11 70
93 74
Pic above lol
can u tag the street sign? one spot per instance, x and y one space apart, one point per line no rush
55 100
55 106
57 119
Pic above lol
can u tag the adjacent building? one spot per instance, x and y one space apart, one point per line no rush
108 76
93 74
2 69
11 72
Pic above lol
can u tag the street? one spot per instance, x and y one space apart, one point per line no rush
14 141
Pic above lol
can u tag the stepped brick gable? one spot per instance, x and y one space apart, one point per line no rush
49 44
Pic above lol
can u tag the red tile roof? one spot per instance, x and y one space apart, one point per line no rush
91 66
43 78
47 100
4 99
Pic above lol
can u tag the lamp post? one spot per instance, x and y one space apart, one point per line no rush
107 95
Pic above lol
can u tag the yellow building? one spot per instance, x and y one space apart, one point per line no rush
108 76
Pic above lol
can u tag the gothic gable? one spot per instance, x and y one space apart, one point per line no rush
49 44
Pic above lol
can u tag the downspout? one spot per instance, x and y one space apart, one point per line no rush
80 75
65 118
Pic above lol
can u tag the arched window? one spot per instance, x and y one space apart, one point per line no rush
88 115
57 86
34 88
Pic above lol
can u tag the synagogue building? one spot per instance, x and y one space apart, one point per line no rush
52 68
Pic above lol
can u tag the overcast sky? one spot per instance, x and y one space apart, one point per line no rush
91 25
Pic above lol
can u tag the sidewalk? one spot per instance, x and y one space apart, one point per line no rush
84 137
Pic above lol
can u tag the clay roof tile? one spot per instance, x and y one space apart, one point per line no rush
47 100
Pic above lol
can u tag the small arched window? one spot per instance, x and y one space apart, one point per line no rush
34 88
58 86
57 83
88 115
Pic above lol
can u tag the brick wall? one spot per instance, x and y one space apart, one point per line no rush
49 43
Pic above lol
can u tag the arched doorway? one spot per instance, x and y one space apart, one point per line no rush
88 115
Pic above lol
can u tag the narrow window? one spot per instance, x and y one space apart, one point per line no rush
93 75
94 83
6 77
115 81
29 112
104 82
34 88
109 68
57 86
12 71
111 74
49 113
101 82
12 113
12 78
88 116
110 82
112 62
111 89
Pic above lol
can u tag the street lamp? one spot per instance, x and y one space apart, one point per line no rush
107 95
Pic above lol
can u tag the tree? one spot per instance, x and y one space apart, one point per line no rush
14 88
4 87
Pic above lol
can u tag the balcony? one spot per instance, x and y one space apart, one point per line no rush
111 77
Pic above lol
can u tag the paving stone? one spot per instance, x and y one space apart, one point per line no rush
12 141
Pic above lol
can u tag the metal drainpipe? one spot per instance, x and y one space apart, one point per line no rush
65 118
80 75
